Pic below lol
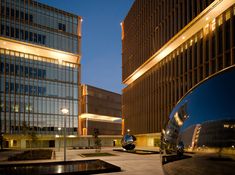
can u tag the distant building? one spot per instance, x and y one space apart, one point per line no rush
39 71
213 133
100 109
168 48
217 133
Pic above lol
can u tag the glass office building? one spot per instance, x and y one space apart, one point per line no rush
39 68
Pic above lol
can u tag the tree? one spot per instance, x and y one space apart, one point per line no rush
29 133
97 140
33 137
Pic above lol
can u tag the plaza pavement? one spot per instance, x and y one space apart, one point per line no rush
130 164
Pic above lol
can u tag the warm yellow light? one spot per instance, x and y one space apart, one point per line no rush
84 131
19 46
123 126
84 90
167 132
100 117
64 110
122 27
198 23
177 119
226 126
213 24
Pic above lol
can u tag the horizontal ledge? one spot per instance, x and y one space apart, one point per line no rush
23 47
100 118
212 11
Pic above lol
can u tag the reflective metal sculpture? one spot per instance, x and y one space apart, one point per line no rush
128 142
200 135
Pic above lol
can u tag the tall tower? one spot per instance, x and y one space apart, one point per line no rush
168 48
40 70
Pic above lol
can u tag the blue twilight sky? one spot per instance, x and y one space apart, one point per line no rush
101 39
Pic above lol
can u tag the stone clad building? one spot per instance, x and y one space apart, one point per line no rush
100 109
169 47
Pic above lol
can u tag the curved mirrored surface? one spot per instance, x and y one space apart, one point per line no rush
200 135
128 142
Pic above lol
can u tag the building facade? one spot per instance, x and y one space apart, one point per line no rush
40 70
169 47
100 109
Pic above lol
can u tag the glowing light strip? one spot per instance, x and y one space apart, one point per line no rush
28 48
100 117
205 17
177 119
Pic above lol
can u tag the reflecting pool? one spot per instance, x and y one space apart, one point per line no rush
52 168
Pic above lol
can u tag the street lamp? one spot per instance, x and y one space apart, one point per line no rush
64 111
59 129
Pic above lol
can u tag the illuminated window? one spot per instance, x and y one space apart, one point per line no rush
195 39
28 108
14 142
201 34
191 42
182 49
227 15
229 126
220 20
206 29
84 131
213 25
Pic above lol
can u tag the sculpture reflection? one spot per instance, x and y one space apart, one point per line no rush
128 142
200 135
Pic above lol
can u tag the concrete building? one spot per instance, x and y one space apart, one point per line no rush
169 47
40 71
100 109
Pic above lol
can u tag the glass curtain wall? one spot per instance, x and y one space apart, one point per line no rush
34 89
36 23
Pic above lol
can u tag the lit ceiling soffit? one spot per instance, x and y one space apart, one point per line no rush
33 49
101 118
206 16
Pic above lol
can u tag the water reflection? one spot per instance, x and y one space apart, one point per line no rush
200 135
71 167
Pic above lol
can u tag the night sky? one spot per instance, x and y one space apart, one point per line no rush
101 39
